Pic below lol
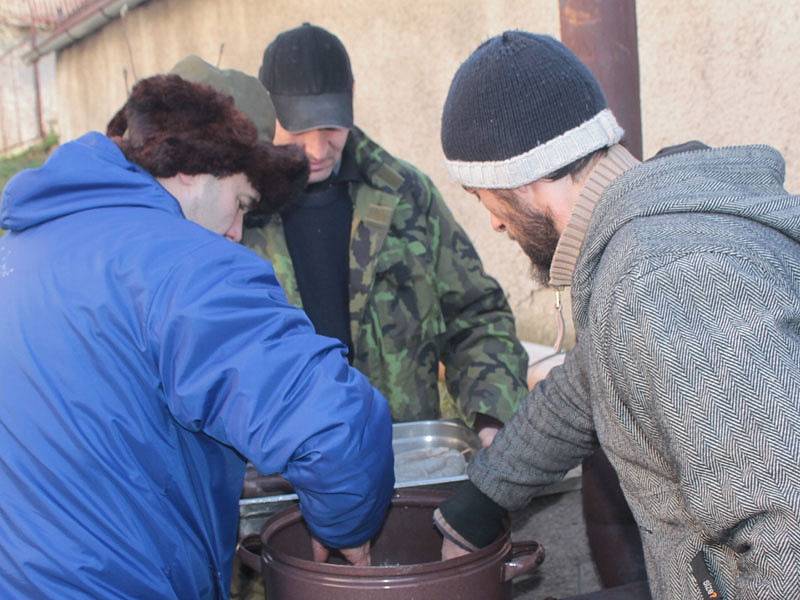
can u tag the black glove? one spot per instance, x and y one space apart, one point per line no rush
470 518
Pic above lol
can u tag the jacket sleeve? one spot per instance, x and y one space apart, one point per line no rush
551 432
485 365
240 364
705 351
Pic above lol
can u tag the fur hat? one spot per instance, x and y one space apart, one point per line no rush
170 126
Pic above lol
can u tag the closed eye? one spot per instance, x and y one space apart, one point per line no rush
246 202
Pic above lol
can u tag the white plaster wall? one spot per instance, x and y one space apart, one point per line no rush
403 54
723 71
726 72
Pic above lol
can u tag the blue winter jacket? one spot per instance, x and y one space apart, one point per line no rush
142 359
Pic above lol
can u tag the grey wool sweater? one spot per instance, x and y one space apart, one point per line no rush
686 300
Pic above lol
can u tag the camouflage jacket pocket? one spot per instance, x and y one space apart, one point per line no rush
405 293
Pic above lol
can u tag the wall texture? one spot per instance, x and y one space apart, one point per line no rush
720 71
19 116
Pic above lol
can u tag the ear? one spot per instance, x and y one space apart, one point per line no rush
186 180
190 185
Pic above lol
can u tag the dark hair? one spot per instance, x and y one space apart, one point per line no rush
576 166
170 126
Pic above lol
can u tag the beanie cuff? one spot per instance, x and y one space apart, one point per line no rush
598 132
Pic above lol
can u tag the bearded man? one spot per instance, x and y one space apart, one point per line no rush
685 275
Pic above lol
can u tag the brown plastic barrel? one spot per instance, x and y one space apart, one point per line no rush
405 557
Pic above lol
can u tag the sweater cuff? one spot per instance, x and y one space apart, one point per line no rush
470 518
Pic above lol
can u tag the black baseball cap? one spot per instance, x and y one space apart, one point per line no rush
307 73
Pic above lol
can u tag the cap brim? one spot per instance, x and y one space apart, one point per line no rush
304 113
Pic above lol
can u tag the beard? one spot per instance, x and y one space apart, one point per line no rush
536 234
538 239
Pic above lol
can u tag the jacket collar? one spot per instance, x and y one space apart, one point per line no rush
616 162
375 198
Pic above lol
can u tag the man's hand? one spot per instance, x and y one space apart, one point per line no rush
487 435
358 556
452 550
487 427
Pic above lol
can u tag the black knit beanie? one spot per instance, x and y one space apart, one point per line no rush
521 107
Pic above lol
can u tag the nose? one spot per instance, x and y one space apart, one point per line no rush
498 224
234 234
315 145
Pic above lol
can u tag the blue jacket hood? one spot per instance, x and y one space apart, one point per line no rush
87 173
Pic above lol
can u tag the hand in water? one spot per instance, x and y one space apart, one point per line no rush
452 550
358 556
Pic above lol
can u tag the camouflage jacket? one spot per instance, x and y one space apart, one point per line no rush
418 295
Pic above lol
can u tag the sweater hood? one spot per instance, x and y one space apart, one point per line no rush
742 181
88 173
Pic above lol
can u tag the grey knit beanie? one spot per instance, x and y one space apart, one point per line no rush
520 107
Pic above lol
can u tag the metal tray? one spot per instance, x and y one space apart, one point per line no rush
410 441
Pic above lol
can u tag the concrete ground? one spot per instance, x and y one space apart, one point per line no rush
556 522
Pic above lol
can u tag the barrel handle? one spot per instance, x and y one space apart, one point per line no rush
249 558
525 557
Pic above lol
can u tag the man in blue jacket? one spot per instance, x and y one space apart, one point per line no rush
145 357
